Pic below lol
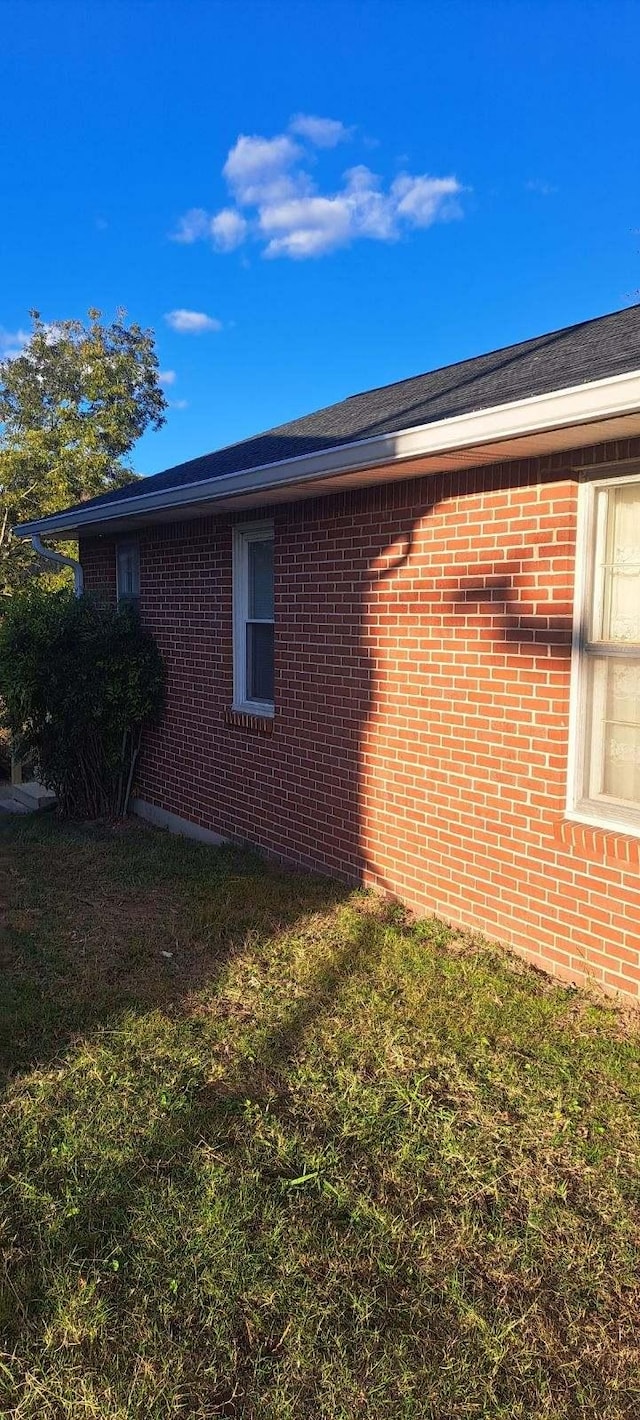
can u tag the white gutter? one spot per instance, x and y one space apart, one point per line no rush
60 561
558 409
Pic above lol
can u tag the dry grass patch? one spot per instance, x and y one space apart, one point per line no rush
270 1151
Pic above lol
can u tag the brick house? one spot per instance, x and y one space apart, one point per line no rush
403 642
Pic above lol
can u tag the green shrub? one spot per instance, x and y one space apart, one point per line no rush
5 752
79 682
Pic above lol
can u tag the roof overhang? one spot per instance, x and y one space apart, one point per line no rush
560 420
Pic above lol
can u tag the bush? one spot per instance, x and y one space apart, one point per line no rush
5 752
79 684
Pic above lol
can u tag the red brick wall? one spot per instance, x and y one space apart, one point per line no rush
422 703
99 566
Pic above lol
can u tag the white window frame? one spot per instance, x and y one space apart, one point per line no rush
125 544
243 534
600 812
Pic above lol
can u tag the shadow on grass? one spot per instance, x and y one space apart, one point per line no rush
280 1175
221 915
98 921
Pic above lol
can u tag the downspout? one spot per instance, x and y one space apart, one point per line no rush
60 561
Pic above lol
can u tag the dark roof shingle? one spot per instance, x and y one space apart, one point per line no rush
578 354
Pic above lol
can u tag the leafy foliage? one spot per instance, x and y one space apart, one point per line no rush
72 405
79 682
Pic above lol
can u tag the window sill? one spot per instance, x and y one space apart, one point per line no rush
591 836
243 718
609 816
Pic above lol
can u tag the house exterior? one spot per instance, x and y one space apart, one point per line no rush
403 642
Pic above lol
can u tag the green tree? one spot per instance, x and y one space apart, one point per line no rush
72 405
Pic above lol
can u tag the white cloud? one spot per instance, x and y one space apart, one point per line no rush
258 169
323 132
167 377
371 210
305 226
12 343
178 404
192 227
53 332
313 226
423 200
191 322
228 229
279 202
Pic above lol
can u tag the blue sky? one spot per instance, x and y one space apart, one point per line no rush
478 184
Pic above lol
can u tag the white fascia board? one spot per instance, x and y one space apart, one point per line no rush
558 409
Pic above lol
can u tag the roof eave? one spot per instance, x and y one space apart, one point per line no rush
579 407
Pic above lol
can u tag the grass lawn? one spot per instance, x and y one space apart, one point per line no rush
270 1151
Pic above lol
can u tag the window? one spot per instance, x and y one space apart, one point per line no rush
128 574
253 644
606 705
